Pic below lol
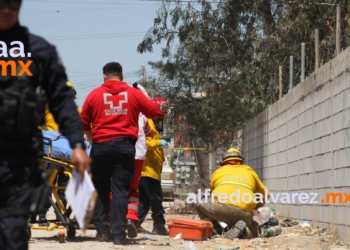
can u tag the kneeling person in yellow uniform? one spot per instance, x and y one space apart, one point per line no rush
62 179
235 188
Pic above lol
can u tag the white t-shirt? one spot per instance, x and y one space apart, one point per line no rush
144 131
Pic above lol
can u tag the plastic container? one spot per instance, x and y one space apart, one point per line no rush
264 214
190 229
272 231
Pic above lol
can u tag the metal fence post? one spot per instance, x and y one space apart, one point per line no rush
280 80
302 61
271 90
291 73
338 29
317 49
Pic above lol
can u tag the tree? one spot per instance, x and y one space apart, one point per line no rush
230 50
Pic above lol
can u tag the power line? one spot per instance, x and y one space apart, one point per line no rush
98 34
99 3
81 10
93 37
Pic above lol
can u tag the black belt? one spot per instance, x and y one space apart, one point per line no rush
117 141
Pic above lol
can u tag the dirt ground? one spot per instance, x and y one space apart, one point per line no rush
291 238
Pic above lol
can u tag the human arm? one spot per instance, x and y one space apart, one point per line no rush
149 108
262 189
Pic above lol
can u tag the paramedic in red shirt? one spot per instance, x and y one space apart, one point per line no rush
112 110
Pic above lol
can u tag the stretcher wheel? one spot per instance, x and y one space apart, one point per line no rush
71 232
61 238
29 233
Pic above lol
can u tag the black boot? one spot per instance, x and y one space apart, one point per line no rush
160 230
131 227
43 221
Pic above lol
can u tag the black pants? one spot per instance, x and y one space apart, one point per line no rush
151 196
15 172
112 168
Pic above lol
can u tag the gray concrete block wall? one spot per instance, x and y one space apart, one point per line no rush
302 144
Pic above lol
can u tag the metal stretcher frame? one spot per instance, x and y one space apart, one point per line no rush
56 166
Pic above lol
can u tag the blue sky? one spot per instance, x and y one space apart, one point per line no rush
90 33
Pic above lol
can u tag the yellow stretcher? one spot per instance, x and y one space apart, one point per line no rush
65 226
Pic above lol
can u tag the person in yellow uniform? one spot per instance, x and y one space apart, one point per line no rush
237 191
62 179
150 189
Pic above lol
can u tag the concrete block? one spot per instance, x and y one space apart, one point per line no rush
306 181
323 145
341 158
292 125
340 64
294 211
321 195
323 74
293 183
272 160
271 184
294 111
324 179
323 214
272 136
272 124
308 102
341 101
341 215
273 172
283 157
282 144
293 169
306 212
282 184
306 165
292 140
293 154
323 162
305 134
341 83
341 139
282 171
341 120
272 147
323 110
306 150
322 128
324 92
282 131
343 232
341 178
305 119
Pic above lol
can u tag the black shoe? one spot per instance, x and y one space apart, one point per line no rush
141 230
120 242
160 230
102 237
43 222
131 227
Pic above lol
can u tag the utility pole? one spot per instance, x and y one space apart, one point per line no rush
143 73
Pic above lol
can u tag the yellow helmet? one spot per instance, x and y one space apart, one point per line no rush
232 154
69 84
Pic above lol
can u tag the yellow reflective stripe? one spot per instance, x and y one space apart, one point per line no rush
233 183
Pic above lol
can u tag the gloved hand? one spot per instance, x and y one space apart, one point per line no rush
164 143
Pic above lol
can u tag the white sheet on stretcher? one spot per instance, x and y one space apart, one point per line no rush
60 145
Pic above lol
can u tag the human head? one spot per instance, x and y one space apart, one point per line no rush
9 11
69 84
163 108
141 88
112 71
232 156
